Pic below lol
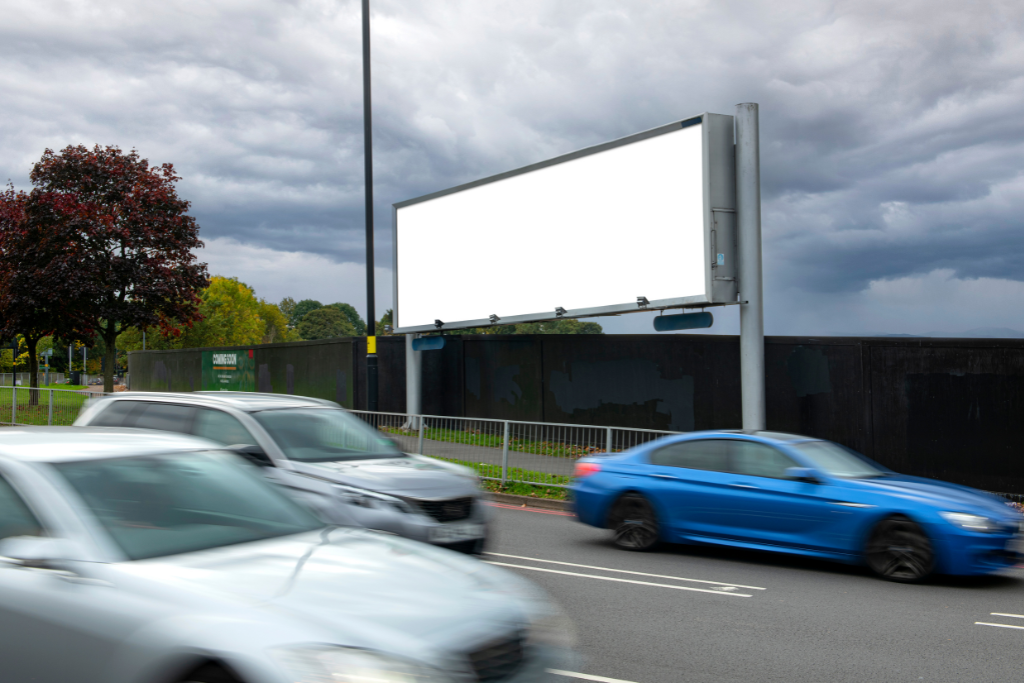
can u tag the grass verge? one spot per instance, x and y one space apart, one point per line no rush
527 482
473 438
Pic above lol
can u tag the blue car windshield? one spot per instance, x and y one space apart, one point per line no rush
837 461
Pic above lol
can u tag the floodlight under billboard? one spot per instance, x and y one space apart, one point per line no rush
646 222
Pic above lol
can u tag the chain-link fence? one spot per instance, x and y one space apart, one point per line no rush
25 406
506 450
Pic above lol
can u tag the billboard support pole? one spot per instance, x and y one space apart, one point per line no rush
413 381
748 203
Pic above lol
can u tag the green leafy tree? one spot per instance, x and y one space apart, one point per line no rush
564 326
324 323
287 307
300 310
386 322
352 316
275 324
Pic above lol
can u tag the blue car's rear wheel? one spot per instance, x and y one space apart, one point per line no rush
899 550
633 523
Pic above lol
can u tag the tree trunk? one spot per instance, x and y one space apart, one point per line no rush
33 370
109 356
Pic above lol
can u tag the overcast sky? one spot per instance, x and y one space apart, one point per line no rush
892 133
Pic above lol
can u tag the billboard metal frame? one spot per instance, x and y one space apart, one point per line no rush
720 225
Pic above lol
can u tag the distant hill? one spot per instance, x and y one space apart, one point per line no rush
982 332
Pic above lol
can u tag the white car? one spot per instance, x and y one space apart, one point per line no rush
131 556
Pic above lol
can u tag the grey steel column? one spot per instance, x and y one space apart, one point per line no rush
413 381
748 204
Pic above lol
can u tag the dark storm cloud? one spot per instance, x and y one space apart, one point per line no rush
891 133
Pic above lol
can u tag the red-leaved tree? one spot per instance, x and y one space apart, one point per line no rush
111 239
32 274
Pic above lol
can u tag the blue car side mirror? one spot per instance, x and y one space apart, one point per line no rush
802 474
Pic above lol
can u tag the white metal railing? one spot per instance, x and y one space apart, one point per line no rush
25 406
23 378
507 450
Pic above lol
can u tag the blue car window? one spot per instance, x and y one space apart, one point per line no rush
759 460
706 454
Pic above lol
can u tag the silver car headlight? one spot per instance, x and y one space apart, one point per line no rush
972 522
327 664
372 499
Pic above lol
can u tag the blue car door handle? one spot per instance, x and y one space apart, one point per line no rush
664 476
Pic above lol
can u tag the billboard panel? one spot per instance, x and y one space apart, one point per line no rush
649 216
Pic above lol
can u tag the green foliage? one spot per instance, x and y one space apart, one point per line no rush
352 316
564 326
385 321
300 310
275 324
287 307
324 323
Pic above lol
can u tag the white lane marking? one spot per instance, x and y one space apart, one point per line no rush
626 571
985 623
610 578
587 677
1001 614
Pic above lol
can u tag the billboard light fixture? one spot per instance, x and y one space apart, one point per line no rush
642 302
559 311
493 318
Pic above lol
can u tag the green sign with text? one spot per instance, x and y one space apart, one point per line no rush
228 371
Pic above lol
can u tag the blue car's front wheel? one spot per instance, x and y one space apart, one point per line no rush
899 550
634 523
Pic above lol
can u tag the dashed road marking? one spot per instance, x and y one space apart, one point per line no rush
626 571
612 578
985 623
586 677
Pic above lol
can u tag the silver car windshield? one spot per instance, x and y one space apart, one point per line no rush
154 506
837 461
324 435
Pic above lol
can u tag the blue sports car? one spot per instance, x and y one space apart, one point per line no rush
794 494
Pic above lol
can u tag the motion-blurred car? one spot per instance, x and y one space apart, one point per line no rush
788 493
129 556
345 469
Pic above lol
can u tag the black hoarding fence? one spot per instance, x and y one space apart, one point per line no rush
952 409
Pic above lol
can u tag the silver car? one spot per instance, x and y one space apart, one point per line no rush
349 472
129 556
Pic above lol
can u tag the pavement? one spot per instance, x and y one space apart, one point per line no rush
700 614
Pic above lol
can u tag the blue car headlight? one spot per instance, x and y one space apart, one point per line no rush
333 664
972 522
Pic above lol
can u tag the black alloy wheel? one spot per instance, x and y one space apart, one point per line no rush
633 523
900 551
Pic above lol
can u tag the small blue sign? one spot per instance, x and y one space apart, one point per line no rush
432 343
721 259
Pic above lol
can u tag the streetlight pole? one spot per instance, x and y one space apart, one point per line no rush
371 339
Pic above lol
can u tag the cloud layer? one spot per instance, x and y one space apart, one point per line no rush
891 134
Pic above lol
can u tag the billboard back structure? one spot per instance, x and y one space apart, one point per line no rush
646 222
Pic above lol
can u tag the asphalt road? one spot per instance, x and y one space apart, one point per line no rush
724 616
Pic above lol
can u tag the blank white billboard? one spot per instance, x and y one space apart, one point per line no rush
588 233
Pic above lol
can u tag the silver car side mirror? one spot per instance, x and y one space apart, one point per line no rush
34 551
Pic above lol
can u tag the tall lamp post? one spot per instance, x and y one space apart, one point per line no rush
371 339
